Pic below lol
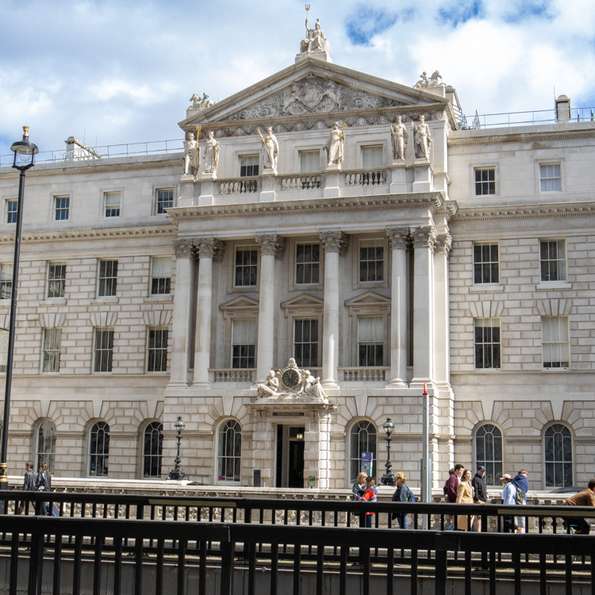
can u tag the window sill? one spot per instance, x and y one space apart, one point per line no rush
53 302
159 298
556 370
482 287
548 285
107 299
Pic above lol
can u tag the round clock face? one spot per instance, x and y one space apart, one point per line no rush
290 378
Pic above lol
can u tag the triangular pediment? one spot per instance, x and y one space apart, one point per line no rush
312 87
369 298
239 304
302 301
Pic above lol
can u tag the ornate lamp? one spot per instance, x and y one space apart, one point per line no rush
388 479
176 473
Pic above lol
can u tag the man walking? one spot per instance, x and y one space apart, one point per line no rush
44 484
480 496
521 483
508 499
584 498
29 484
451 488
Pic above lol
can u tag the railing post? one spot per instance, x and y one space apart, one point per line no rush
226 565
138 555
35 563
441 572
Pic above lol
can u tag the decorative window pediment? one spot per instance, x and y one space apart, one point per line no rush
239 306
369 302
303 304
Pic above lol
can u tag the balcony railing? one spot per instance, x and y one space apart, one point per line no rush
523 118
360 374
365 177
245 185
301 181
233 374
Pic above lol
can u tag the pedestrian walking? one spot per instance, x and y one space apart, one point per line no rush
465 496
521 483
480 496
44 484
370 495
508 499
359 486
585 498
402 494
450 489
29 485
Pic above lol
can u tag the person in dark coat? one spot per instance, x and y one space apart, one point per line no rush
29 484
451 487
402 494
480 490
44 484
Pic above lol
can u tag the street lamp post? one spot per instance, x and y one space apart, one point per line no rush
24 158
176 472
388 479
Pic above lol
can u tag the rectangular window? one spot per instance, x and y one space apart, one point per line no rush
112 203
555 342
243 344
305 342
373 157
61 208
370 341
371 263
56 280
52 339
307 264
309 161
487 343
550 178
485 263
11 211
485 180
164 199
5 281
3 349
552 255
108 278
246 267
249 165
157 350
161 270
104 350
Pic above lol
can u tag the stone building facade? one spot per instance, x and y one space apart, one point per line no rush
165 286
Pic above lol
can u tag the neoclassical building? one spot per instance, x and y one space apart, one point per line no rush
321 224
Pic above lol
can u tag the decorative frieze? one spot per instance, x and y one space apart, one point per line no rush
333 241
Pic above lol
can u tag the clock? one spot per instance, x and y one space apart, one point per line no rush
290 377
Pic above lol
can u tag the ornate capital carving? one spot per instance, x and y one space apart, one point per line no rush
208 247
444 243
333 241
183 248
269 244
424 237
399 237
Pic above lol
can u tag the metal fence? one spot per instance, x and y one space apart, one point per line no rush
523 118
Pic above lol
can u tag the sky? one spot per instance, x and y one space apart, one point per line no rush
119 71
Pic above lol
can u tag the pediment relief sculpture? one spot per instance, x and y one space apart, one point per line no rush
291 384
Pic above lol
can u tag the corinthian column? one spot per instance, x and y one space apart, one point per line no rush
269 246
441 367
181 318
399 238
206 249
332 241
424 239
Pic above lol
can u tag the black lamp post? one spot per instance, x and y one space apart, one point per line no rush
388 479
176 472
24 157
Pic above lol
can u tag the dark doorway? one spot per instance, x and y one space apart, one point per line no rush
290 456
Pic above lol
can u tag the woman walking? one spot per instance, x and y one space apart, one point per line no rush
402 494
465 496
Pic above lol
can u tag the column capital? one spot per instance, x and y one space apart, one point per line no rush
183 248
399 237
333 241
269 243
208 247
424 237
443 243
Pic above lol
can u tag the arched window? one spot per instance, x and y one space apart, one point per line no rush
558 456
99 449
45 444
152 449
488 451
362 440
230 450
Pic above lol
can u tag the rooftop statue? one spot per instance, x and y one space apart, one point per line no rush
200 102
433 82
314 43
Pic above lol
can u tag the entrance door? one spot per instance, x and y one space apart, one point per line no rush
290 456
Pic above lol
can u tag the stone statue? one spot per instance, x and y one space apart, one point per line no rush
311 386
435 79
399 136
191 155
211 154
335 147
291 384
270 147
200 102
270 388
423 139
315 39
423 81
433 82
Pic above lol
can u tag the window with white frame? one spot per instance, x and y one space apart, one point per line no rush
550 177
249 165
487 343
307 264
305 342
552 255
558 456
229 451
99 438
103 350
373 157
45 447
243 343
56 280
152 449
362 448
107 285
12 210
488 452
3 349
164 199
52 341
61 208
5 281
309 161
485 263
370 342
112 203
371 262
161 271
555 342
485 180
246 267
157 350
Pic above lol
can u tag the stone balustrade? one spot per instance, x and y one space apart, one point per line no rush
301 181
247 185
374 177
359 374
233 374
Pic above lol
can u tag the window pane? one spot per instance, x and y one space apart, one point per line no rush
307 264
152 449
487 343
363 439
488 451
99 449
157 350
108 278
485 263
558 456
164 199
246 266
373 157
112 202
306 342
230 451
371 263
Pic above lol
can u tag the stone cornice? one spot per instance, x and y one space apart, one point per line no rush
92 234
570 209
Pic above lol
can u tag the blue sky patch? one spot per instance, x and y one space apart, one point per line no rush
459 12
365 22
529 9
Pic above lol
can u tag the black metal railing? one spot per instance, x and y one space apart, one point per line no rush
63 555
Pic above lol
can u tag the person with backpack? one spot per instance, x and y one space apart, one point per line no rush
585 498
521 483
402 494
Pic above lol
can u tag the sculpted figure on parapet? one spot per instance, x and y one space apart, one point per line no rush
335 147
399 137
270 147
211 154
290 383
191 155
423 139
